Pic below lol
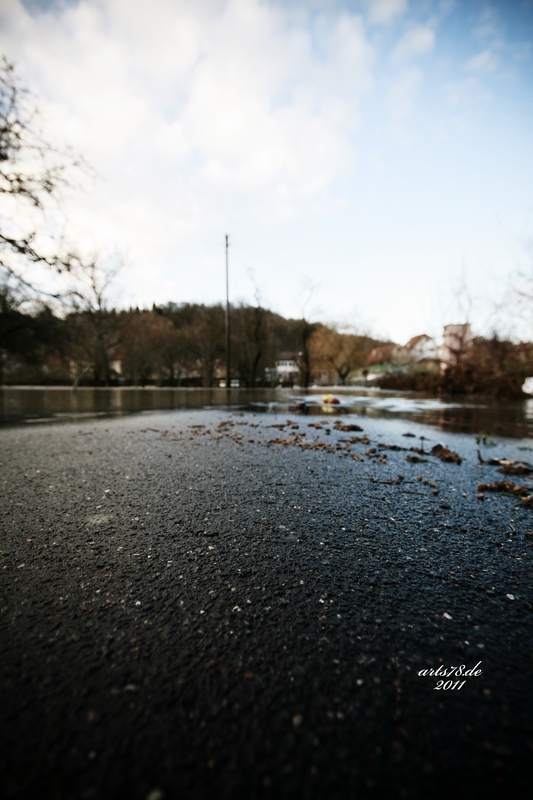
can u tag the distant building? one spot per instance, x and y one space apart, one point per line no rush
457 343
286 368
423 353
399 355
382 354
116 366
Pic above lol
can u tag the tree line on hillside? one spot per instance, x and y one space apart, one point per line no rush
171 345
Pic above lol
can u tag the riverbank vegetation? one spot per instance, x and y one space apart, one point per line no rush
491 366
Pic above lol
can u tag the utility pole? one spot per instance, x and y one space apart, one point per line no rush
228 378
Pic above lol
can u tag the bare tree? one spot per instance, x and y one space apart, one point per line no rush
306 331
252 339
204 340
149 347
32 173
93 325
339 352
517 303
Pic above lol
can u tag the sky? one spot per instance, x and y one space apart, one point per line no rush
371 160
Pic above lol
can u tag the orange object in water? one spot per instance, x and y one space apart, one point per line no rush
330 399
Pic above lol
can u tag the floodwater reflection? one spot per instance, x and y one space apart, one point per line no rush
460 414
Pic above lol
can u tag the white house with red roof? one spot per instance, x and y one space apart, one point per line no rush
423 351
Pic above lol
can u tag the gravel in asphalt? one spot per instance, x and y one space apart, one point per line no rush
203 605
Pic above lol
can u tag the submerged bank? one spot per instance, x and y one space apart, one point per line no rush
194 604
36 405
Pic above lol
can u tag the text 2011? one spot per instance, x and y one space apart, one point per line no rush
449 685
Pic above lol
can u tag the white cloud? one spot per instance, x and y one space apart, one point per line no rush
193 113
466 93
401 95
486 61
414 42
382 12
488 24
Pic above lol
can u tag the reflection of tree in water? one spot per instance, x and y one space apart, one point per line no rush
513 419
496 418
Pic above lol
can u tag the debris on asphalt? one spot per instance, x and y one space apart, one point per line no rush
510 466
445 454
514 468
504 486
383 553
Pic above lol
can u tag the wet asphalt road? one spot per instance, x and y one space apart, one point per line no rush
191 612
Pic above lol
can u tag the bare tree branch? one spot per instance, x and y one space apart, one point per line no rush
32 172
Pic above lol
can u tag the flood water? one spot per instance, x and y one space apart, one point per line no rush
33 405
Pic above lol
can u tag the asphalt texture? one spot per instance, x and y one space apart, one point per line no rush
200 605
